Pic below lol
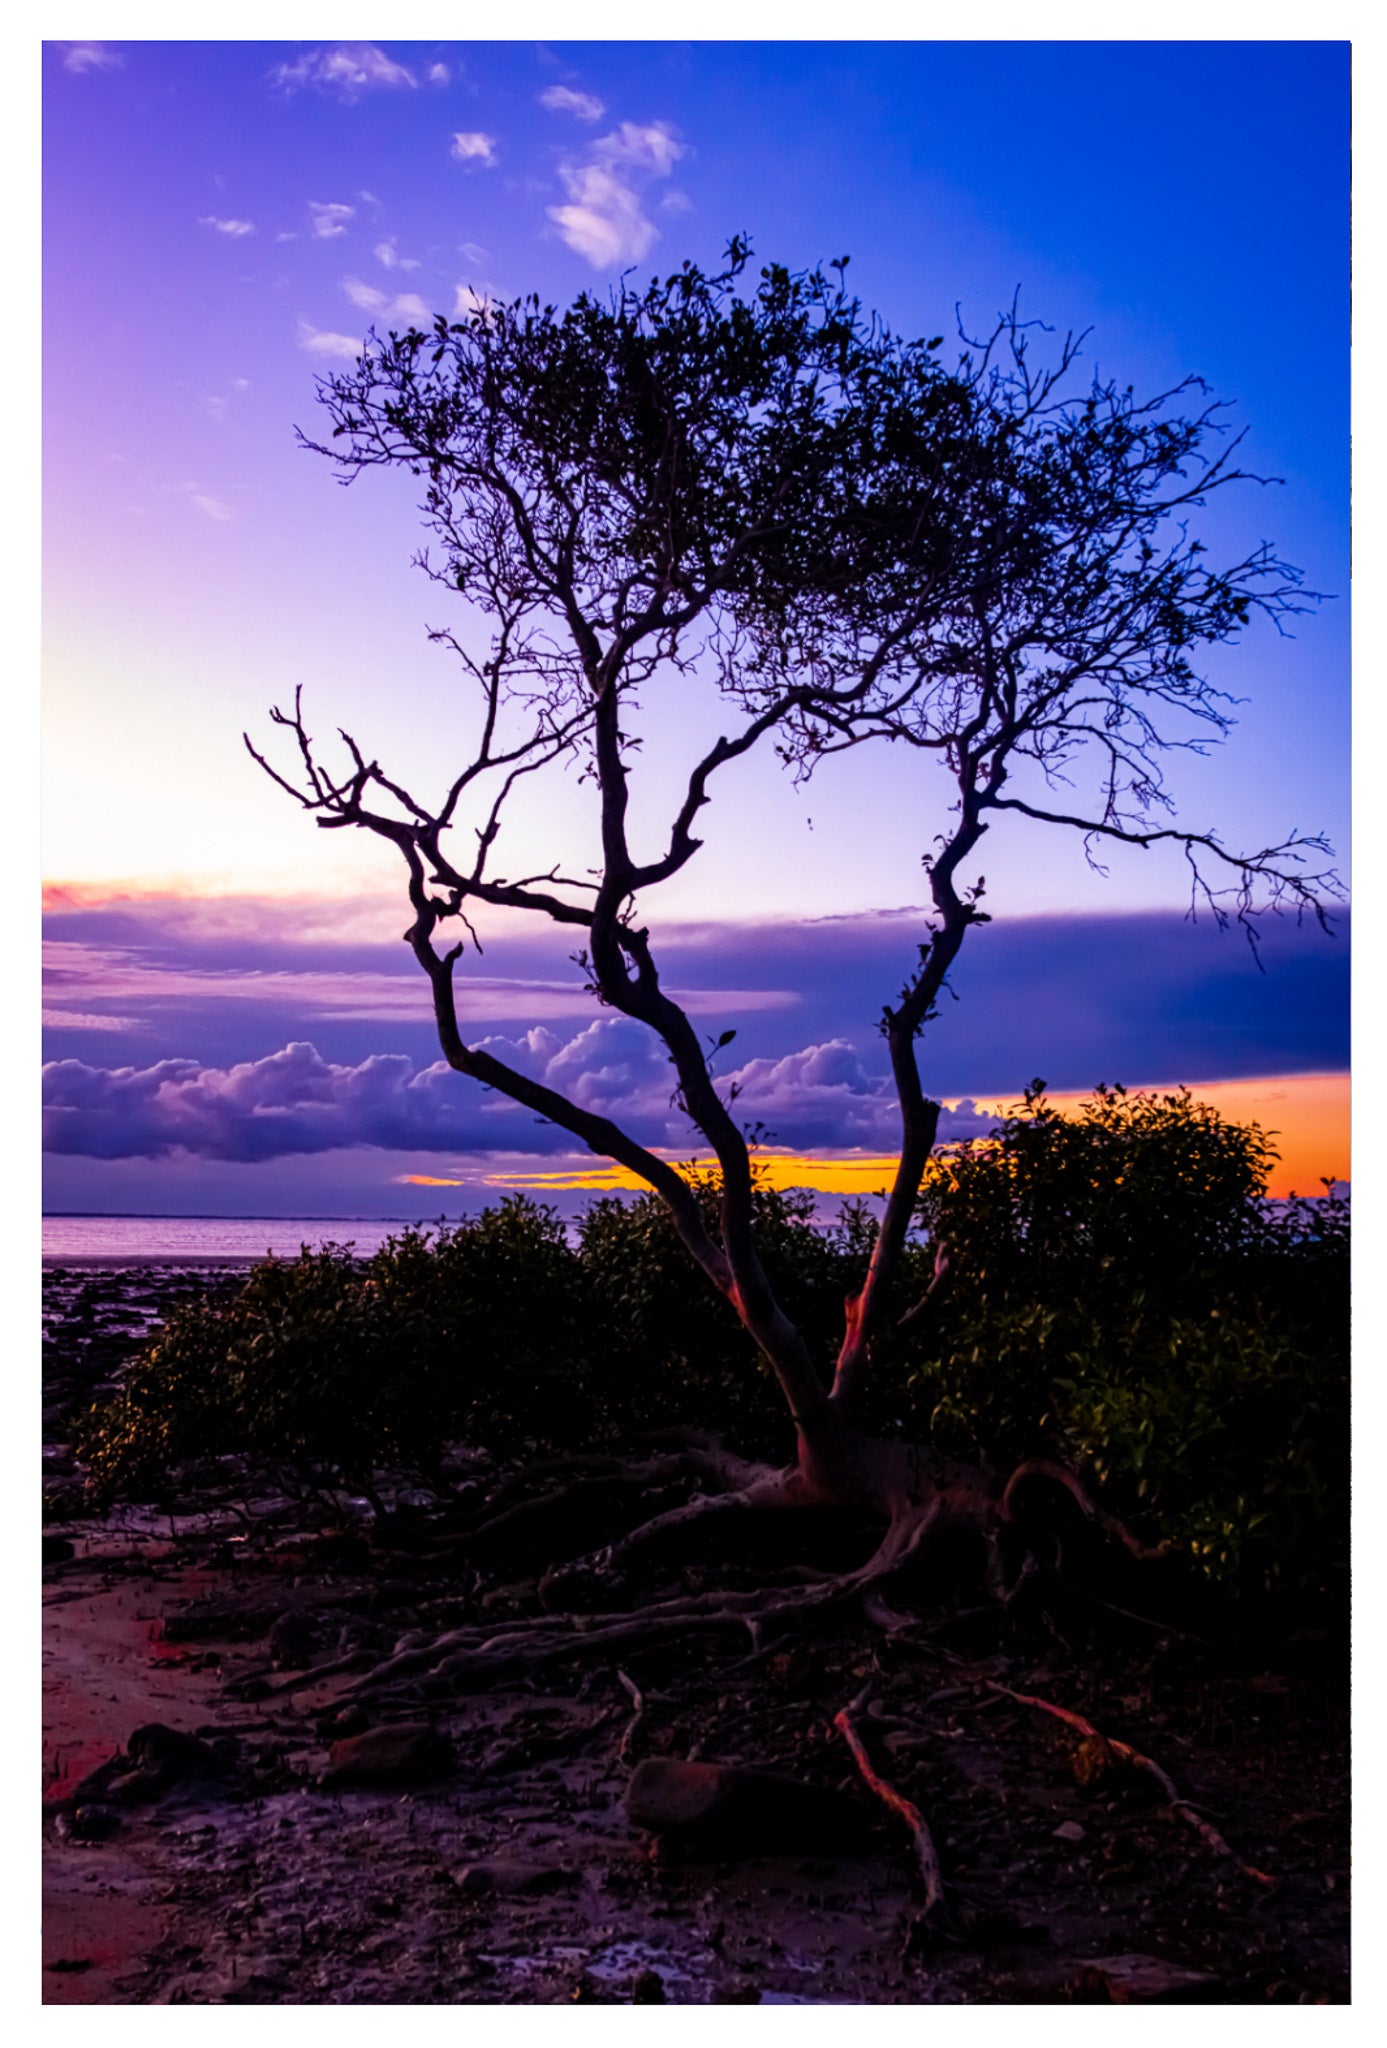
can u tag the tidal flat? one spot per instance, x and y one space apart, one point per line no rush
230 1816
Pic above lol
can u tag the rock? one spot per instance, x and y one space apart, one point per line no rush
1140 1980
731 1806
227 1615
343 1721
1070 1831
155 1759
89 1824
404 1753
513 1879
648 1988
57 1550
301 1636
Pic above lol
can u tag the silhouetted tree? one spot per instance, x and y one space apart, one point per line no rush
752 486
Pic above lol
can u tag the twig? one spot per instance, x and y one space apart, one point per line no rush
638 1701
925 1850
1124 1753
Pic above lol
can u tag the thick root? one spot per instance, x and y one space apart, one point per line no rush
921 1498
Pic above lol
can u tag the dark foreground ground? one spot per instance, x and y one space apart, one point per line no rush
488 1857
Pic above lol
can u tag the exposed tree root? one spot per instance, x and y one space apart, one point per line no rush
637 1698
511 1504
935 1909
1107 1749
922 1499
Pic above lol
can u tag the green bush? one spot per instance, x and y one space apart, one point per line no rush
335 1369
1123 1295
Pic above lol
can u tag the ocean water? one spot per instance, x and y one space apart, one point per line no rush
202 1240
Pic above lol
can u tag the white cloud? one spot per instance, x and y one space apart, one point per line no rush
91 57
318 343
438 74
474 148
655 147
329 218
408 306
234 228
473 251
605 220
213 507
365 295
390 258
562 99
346 70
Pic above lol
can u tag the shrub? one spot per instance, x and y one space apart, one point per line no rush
1124 1295
667 1349
1121 1294
335 1368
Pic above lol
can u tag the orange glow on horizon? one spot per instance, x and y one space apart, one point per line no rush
1307 1116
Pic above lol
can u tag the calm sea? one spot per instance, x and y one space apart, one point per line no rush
202 1240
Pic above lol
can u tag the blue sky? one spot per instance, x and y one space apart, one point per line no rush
224 220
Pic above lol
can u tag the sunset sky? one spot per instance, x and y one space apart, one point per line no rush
232 1023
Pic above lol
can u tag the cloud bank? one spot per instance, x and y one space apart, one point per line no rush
295 1102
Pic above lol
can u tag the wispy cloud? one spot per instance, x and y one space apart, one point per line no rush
91 57
235 229
438 74
473 147
317 342
562 99
346 71
605 218
329 218
212 507
85 1020
406 306
389 257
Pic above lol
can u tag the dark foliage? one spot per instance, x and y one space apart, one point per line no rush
1125 1295
1121 1295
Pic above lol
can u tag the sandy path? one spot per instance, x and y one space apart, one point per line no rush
104 1673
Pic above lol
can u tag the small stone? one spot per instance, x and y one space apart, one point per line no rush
1069 1831
756 1812
402 1753
514 1879
89 1824
648 1988
1140 1980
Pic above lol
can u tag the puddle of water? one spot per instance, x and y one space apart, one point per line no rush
797 1998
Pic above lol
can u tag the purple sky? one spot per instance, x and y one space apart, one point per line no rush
223 220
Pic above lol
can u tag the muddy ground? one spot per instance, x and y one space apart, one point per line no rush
491 1858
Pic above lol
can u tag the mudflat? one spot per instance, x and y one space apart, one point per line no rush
232 1814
